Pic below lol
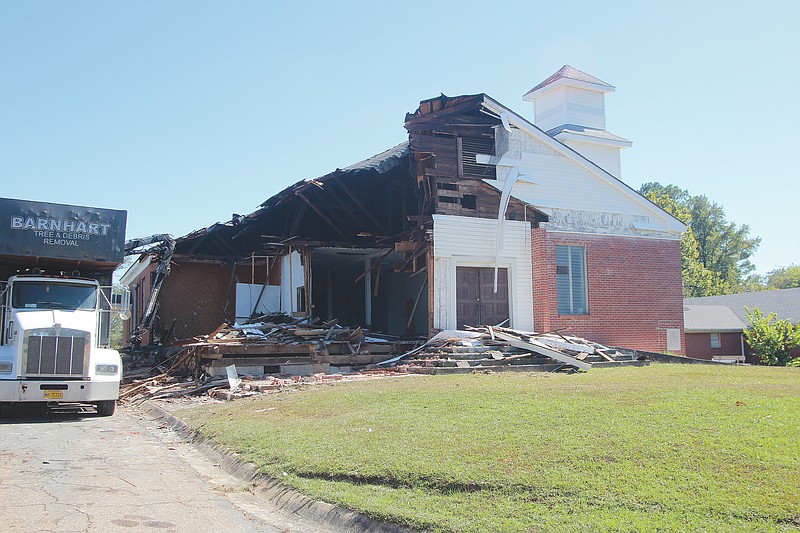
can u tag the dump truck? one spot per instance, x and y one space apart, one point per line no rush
56 301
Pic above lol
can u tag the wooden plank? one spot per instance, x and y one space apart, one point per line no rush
429 143
607 358
268 349
262 361
405 246
538 347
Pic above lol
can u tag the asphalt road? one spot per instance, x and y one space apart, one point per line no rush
62 472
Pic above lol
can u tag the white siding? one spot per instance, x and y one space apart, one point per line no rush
550 110
585 108
570 105
578 199
463 241
606 157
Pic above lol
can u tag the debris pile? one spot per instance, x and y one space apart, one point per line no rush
281 345
504 349
168 387
275 345
241 360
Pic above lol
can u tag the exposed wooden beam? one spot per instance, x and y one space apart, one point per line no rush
361 206
322 215
346 208
296 223
224 243
196 245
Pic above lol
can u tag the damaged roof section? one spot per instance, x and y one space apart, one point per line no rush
387 198
363 205
448 134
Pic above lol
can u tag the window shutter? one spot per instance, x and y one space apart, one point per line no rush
470 147
571 280
578 272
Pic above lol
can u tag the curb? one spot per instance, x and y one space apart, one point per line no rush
285 499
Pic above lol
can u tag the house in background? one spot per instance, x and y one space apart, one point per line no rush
481 217
714 325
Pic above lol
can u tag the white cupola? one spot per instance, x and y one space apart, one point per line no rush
570 106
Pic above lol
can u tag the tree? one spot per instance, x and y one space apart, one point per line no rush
723 249
696 279
784 277
772 340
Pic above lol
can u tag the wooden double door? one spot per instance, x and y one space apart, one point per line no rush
476 302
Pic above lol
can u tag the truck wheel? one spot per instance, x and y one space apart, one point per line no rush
106 407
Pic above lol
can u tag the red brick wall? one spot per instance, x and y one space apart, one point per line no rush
699 345
200 296
634 287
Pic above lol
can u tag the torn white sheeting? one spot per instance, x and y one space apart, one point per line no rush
508 184
505 118
512 177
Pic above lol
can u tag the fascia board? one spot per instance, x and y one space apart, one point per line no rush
530 96
714 330
135 271
581 138
673 224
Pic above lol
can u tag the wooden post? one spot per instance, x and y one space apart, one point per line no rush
367 293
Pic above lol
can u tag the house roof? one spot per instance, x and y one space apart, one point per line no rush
710 313
382 162
710 318
568 72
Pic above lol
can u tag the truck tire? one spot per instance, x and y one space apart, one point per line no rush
106 407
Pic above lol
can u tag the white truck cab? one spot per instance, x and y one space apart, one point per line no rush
54 345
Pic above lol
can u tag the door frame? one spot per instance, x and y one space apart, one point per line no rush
509 263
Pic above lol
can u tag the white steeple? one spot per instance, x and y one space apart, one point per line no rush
570 106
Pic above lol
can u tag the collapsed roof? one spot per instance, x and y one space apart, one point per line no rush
361 205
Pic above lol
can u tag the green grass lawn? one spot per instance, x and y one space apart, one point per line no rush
660 448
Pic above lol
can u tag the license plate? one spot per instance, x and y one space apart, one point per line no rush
53 395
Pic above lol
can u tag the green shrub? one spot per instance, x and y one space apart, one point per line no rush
772 340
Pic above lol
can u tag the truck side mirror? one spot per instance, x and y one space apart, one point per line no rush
121 301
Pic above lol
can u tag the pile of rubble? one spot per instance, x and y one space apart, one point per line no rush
274 345
281 345
177 387
281 353
503 349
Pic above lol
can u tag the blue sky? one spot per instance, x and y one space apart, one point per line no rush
184 112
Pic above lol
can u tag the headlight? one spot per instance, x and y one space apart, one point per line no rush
106 370
6 367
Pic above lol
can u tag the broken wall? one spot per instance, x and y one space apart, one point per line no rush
199 296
